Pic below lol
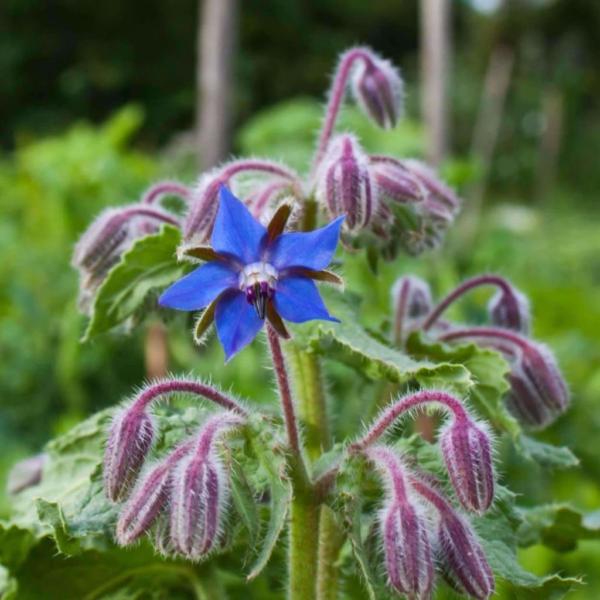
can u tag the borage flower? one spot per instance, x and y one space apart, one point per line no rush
255 272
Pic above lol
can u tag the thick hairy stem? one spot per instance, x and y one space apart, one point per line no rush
331 540
310 392
462 289
389 416
189 386
303 543
165 188
336 95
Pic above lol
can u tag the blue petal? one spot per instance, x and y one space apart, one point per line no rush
237 323
200 287
311 250
236 232
297 299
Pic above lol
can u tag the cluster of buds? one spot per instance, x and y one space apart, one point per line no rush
182 498
113 232
419 527
263 184
538 392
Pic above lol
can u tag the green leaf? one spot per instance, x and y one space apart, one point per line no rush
273 465
149 265
244 502
546 455
557 526
349 343
487 371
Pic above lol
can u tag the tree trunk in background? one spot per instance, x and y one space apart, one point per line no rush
215 50
156 351
552 111
435 71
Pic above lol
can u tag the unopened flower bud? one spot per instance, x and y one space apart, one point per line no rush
344 183
404 530
538 392
129 440
467 450
510 308
26 473
149 498
395 182
378 89
460 554
411 301
201 492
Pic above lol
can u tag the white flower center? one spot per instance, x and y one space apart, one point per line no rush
258 281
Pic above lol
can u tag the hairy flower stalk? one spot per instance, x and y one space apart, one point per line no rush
200 491
404 530
460 554
466 446
411 301
377 87
508 307
538 393
157 192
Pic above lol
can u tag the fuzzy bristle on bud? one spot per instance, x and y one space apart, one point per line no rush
510 308
129 440
149 498
459 552
411 301
378 89
467 450
344 184
538 392
404 530
201 493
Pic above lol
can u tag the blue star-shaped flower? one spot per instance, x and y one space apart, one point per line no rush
255 272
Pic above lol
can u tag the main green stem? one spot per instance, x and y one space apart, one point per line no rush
309 390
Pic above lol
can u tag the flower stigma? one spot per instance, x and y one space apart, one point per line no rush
258 281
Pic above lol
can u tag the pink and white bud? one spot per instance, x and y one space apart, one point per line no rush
344 183
395 182
26 473
460 553
510 308
467 450
404 530
378 89
129 440
411 301
538 392
149 498
201 492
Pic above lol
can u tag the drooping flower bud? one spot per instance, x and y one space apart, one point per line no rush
344 184
460 554
538 392
467 450
411 300
378 89
395 182
510 308
107 238
26 473
201 492
129 440
149 498
404 530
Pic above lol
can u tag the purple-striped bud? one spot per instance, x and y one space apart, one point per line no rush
538 392
344 183
129 440
510 308
149 498
411 301
467 450
201 492
395 182
378 89
404 530
460 554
